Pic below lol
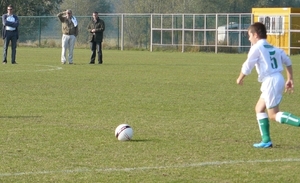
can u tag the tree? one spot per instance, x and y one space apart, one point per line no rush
31 7
87 7
197 6
29 27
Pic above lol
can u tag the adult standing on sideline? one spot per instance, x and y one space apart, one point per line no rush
10 33
70 32
96 28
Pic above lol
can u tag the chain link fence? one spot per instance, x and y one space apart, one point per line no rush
182 32
122 31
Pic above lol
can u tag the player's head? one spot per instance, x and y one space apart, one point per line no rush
68 13
257 31
95 15
10 9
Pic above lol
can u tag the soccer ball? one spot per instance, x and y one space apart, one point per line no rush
124 132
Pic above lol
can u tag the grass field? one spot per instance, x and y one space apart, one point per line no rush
191 122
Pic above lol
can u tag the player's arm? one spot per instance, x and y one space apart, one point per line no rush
100 27
60 16
240 79
14 24
4 20
248 65
289 84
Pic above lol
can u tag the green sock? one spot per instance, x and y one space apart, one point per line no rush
288 118
264 129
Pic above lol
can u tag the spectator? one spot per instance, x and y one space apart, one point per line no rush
70 32
96 28
10 33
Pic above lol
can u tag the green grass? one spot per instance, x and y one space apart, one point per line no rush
191 122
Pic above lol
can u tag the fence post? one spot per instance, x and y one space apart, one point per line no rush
151 32
122 32
182 49
40 30
216 37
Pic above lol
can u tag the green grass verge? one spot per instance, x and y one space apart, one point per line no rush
191 122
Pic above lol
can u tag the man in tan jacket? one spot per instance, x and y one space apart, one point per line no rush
70 32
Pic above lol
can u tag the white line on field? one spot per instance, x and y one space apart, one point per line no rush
83 170
48 68
52 68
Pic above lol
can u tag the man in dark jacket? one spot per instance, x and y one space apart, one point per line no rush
96 28
10 32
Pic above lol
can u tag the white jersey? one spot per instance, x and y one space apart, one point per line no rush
10 18
267 59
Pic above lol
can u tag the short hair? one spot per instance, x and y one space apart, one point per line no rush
258 28
68 10
11 6
95 12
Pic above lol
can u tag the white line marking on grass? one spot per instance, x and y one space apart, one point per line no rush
83 170
48 68
52 68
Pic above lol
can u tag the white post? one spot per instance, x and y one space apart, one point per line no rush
161 29
240 34
216 36
205 22
182 41
122 32
151 33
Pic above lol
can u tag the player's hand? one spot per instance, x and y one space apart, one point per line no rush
289 86
239 81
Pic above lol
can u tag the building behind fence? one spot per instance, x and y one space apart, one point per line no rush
179 32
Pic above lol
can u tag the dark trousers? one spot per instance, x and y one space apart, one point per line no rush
10 36
96 47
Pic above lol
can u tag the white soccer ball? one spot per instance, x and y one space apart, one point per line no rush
124 132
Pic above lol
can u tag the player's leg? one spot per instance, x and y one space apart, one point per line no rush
287 118
5 47
283 117
274 99
262 117
93 49
99 51
13 49
71 44
263 123
64 44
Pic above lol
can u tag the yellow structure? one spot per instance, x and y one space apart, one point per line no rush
283 27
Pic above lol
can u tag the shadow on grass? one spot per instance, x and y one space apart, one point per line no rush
16 117
279 146
141 140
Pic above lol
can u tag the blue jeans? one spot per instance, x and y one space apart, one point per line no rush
10 36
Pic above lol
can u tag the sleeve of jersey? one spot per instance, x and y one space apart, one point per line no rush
285 59
252 59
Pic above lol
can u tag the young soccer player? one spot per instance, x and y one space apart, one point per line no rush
269 62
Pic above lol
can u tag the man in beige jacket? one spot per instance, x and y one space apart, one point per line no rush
70 32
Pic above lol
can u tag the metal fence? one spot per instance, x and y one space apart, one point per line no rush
201 32
181 32
123 31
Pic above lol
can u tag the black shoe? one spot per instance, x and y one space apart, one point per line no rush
92 63
14 63
99 62
4 62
